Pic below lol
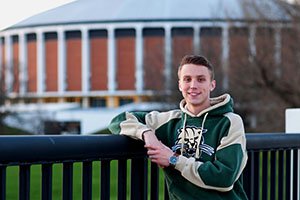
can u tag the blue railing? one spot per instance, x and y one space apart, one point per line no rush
272 170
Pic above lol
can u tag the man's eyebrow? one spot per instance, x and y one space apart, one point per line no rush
201 75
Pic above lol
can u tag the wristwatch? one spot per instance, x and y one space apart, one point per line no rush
173 160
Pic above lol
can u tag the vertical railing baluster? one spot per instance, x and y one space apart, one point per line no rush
273 177
105 180
67 181
247 175
252 174
281 171
296 185
166 194
154 181
122 179
24 182
47 182
87 181
3 182
255 174
288 175
265 184
139 179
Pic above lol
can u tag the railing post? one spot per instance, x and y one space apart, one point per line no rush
47 182
296 175
281 170
87 181
2 182
105 180
67 181
139 177
265 172
154 174
255 179
24 184
122 179
247 173
273 176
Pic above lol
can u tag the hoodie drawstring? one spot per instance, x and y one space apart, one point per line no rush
200 136
183 137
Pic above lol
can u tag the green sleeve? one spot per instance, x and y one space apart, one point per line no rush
129 123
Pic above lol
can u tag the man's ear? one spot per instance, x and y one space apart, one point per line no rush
179 87
213 85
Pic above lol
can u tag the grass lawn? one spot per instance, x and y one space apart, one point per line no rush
35 178
5 130
12 178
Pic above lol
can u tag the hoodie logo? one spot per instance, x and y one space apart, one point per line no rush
192 142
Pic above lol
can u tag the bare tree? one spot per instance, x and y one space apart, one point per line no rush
266 79
3 96
263 66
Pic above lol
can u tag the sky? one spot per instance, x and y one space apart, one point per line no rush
14 11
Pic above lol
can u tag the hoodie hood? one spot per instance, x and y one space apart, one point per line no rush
219 106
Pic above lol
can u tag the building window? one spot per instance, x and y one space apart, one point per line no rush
123 101
74 100
97 102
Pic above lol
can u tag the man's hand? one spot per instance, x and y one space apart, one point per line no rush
159 154
157 151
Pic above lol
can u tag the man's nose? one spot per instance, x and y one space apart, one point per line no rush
193 83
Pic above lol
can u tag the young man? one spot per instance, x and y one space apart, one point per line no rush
201 146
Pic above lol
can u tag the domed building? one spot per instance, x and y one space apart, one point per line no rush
103 53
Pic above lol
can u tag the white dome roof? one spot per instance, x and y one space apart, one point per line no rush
101 11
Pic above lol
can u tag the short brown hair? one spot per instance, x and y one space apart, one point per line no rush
197 60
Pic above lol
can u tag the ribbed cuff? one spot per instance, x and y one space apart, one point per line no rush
140 133
182 160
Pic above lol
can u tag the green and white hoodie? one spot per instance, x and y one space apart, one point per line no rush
212 148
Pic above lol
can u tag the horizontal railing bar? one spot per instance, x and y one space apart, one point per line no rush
270 141
16 150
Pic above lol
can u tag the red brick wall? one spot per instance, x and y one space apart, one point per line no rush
238 56
265 40
154 55
51 62
73 40
211 48
98 59
3 65
32 63
125 43
16 82
289 62
182 44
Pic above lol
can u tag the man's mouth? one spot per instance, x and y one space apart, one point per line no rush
193 94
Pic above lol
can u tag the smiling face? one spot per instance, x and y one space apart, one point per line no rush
195 84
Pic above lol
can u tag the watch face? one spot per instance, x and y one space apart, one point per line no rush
173 160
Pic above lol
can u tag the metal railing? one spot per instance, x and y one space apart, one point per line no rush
272 170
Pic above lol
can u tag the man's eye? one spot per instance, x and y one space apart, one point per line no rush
201 79
187 79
